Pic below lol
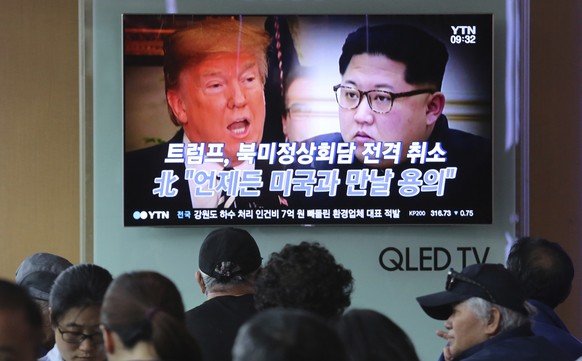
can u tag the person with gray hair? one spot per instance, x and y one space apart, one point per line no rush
229 261
487 317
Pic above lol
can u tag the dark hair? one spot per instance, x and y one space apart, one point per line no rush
543 268
147 306
82 286
304 276
425 56
287 335
15 298
371 336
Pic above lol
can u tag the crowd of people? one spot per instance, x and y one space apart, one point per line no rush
295 306
292 307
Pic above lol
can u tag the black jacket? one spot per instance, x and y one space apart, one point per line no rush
513 345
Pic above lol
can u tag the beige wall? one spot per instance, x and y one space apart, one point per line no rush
556 135
39 142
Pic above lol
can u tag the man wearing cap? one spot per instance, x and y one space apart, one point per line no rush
36 274
228 262
487 317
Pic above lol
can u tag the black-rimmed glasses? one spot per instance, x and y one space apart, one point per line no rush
380 101
78 337
454 276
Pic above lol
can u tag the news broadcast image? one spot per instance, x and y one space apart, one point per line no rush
307 119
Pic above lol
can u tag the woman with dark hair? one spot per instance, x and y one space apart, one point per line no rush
370 336
75 302
286 334
304 276
143 319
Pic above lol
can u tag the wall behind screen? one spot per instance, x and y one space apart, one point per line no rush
39 141
556 120
424 251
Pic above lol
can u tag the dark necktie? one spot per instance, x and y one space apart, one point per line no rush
226 201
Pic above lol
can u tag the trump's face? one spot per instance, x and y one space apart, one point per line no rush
410 118
221 100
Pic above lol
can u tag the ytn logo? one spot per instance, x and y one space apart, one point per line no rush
137 215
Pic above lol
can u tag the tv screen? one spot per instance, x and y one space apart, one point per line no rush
307 119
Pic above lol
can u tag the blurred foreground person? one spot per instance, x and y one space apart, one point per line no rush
287 335
143 319
75 302
37 273
487 317
371 336
20 324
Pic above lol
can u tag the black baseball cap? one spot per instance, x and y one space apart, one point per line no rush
38 272
491 282
228 252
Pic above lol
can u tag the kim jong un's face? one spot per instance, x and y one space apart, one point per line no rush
403 119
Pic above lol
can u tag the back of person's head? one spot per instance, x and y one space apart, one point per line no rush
304 276
229 257
147 307
424 55
544 269
371 336
212 36
287 335
79 286
38 272
16 306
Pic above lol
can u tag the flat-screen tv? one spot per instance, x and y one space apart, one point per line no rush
307 119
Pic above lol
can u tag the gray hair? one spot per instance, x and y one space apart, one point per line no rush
212 284
509 320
